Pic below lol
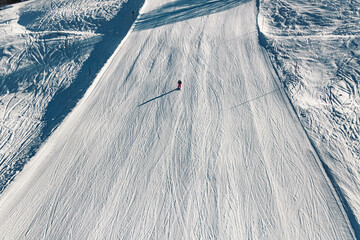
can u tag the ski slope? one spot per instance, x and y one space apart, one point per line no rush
315 46
224 158
50 51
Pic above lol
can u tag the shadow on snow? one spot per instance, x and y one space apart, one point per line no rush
181 10
65 100
157 97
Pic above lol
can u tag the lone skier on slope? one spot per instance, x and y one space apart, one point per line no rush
179 85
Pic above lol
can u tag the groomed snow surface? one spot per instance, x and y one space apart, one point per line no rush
50 53
224 158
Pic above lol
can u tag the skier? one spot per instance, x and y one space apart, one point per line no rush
179 85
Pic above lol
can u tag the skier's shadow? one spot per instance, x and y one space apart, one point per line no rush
162 95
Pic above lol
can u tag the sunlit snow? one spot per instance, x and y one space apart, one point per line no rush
261 142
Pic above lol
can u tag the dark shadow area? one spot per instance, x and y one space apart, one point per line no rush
7 2
348 211
157 97
64 101
181 10
113 32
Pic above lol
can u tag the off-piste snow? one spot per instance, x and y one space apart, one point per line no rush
224 158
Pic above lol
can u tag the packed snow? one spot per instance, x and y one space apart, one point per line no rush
233 155
50 52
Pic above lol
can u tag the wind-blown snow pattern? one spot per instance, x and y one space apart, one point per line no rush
224 158
50 52
315 47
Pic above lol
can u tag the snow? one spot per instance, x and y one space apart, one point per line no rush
227 157
50 52
315 47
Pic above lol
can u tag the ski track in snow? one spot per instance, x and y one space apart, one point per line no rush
315 48
136 160
49 55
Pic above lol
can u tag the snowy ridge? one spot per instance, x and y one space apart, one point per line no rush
224 158
51 51
316 54
309 37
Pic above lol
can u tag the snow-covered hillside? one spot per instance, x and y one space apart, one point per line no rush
315 47
50 52
224 158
